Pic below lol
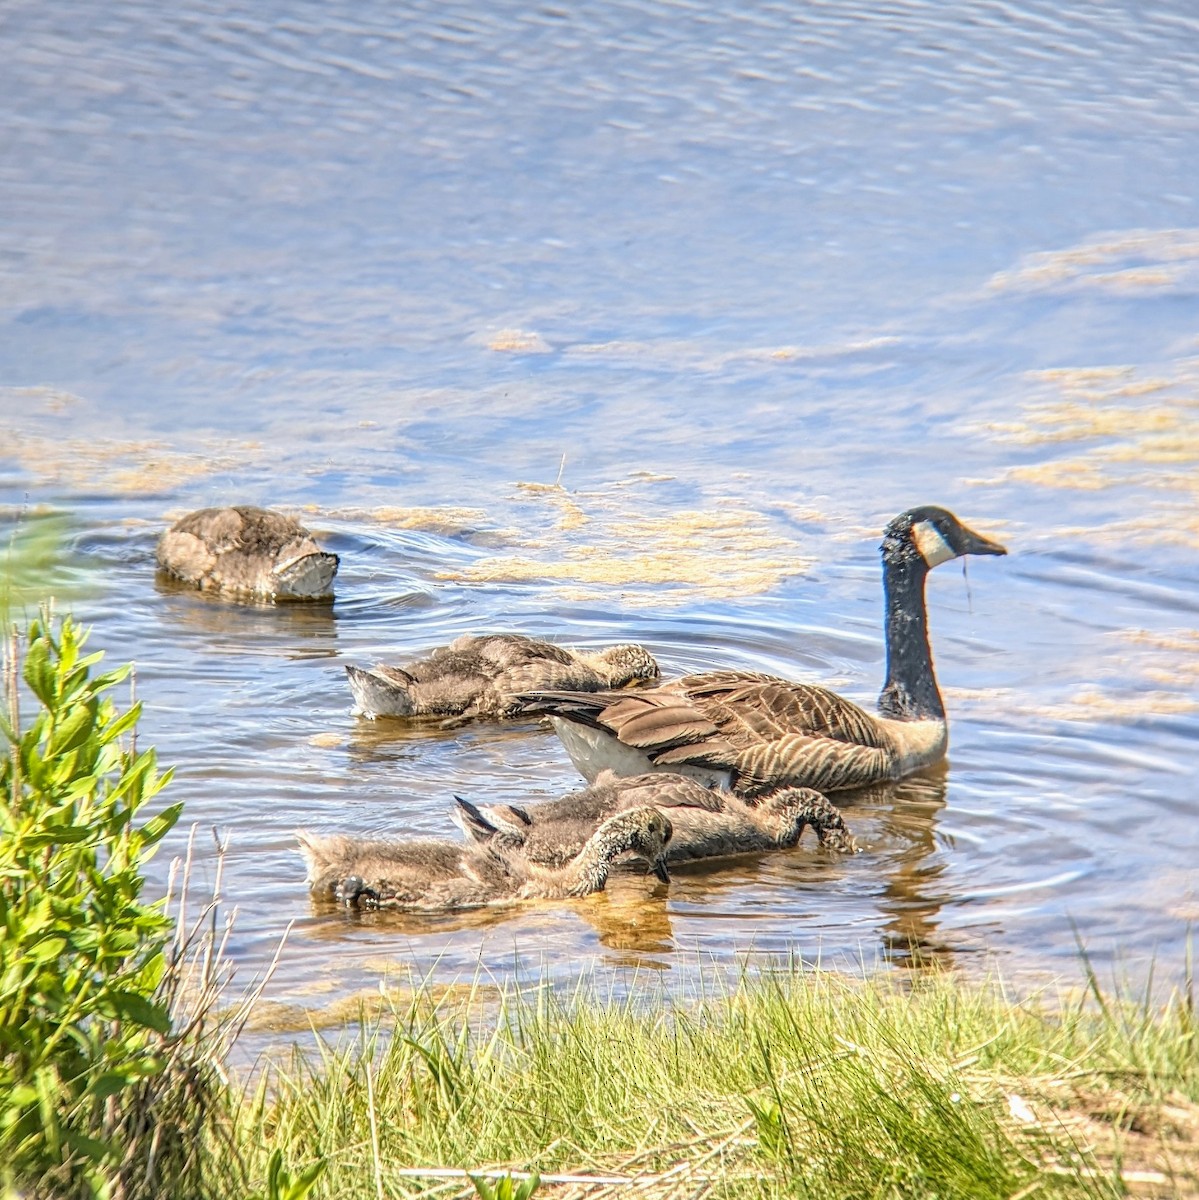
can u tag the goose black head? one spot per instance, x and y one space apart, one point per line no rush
932 535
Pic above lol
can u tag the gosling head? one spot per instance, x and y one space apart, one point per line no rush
929 535
626 665
645 832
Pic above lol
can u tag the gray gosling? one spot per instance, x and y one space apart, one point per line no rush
706 823
247 551
755 733
481 677
432 875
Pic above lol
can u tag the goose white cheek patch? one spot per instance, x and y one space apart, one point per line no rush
933 547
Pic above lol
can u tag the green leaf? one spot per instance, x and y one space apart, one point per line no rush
157 827
505 1187
46 950
59 835
305 1181
108 1084
110 678
73 731
39 672
528 1186
124 722
129 1006
93 1148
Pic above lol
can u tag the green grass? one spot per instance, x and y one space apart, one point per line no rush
794 1084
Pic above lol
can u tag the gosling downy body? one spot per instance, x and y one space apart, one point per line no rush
434 875
481 677
755 733
247 551
706 823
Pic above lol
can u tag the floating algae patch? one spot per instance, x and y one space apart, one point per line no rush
722 552
1143 673
327 741
1133 675
518 341
127 468
449 521
1115 427
571 515
688 355
276 1016
50 438
1134 261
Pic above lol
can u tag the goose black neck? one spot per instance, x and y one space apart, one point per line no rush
910 693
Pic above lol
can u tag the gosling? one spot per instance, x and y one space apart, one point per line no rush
707 823
431 875
480 677
247 551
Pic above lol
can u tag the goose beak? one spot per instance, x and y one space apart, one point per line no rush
975 543
659 869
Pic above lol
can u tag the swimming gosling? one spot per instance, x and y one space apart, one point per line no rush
707 823
247 551
431 875
479 677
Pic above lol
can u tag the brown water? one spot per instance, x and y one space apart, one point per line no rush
747 281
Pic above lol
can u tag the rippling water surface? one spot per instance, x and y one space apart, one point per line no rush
633 322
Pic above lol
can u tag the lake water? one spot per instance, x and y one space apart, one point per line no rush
616 322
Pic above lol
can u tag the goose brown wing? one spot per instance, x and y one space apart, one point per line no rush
767 731
748 707
823 763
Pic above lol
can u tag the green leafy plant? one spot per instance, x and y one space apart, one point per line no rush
506 1187
281 1184
82 955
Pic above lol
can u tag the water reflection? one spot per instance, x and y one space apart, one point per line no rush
254 626
916 887
629 918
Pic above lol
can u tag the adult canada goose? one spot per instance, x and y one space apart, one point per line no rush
481 676
754 733
706 823
432 874
248 551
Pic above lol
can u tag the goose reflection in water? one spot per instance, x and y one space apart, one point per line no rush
257 626
912 897
630 919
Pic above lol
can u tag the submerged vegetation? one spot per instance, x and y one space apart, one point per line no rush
792 1083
